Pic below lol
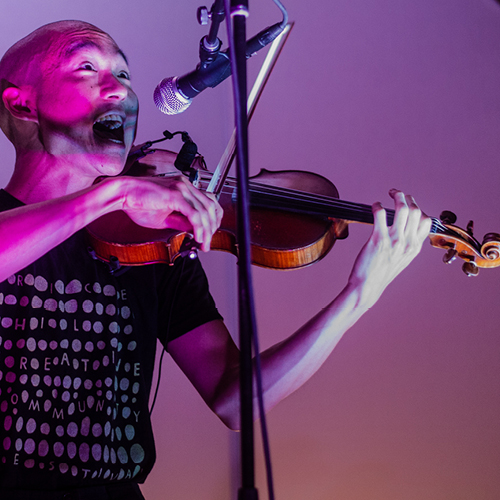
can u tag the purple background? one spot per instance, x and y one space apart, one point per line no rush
372 95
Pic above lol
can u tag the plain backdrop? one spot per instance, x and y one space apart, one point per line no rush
371 94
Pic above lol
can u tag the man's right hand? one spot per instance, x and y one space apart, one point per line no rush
171 202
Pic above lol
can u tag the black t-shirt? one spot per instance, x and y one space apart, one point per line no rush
77 350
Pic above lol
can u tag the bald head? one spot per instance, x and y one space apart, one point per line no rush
17 66
38 53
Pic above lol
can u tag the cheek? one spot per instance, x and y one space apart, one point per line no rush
65 105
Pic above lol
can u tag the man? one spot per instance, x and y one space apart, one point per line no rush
77 342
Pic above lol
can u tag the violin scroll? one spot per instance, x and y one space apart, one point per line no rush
461 243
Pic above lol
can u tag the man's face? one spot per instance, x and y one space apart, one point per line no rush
85 102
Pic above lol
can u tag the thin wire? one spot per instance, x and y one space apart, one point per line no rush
164 350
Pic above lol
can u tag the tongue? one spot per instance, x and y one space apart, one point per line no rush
104 132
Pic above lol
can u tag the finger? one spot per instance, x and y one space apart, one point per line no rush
210 212
195 211
179 222
414 240
414 215
424 227
219 212
212 207
417 228
401 215
159 197
174 199
207 214
380 229
420 222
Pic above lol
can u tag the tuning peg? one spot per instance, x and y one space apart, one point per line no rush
470 268
470 227
450 256
491 237
448 217
203 16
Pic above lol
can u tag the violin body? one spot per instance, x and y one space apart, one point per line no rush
280 239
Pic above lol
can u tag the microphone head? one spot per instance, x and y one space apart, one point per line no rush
169 99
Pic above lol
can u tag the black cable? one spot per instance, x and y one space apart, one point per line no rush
164 350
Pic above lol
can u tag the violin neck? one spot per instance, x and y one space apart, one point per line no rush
315 205
327 207
292 200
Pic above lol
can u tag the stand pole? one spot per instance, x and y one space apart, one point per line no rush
247 324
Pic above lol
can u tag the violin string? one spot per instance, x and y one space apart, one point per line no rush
316 204
316 201
294 196
308 203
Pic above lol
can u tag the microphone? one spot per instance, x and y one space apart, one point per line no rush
173 95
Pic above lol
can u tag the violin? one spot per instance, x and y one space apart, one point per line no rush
295 219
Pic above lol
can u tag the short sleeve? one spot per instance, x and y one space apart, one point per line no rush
185 301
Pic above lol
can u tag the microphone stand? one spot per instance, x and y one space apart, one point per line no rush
210 44
237 11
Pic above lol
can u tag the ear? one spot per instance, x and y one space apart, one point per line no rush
17 102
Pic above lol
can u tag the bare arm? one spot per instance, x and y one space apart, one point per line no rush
28 232
210 359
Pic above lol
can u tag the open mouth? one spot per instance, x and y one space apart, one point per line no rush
109 128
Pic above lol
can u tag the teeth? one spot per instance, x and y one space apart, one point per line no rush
111 121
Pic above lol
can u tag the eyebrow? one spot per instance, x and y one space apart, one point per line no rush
83 44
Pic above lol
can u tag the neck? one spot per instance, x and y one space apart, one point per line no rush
39 176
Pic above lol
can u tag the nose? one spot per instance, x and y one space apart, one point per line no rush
113 88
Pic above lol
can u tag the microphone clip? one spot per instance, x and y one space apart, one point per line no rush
186 156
